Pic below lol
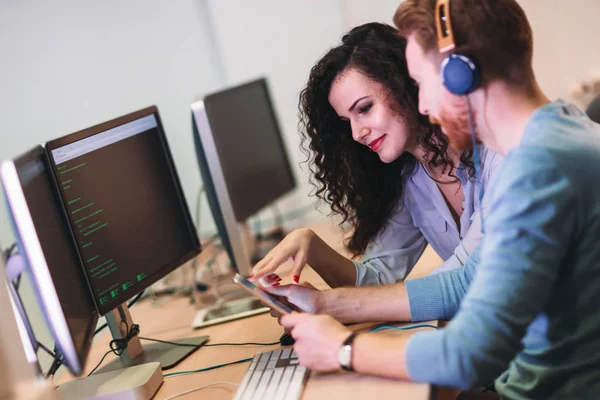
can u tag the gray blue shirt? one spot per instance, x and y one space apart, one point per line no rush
422 218
525 308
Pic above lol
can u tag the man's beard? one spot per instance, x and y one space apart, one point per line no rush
454 120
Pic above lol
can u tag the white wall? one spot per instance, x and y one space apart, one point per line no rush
280 40
566 33
70 64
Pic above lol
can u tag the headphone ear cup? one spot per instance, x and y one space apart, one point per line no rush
460 74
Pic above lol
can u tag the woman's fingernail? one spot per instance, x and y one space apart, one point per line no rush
296 278
275 284
251 276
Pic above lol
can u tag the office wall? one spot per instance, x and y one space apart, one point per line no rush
565 37
280 40
69 64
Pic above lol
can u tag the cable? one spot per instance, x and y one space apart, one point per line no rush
56 364
209 345
194 371
8 252
118 346
131 303
476 156
200 388
403 328
100 363
50 352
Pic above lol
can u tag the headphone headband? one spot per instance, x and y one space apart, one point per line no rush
443 25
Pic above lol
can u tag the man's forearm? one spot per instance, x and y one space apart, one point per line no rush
371 303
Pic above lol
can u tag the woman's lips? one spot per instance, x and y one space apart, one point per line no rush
376 144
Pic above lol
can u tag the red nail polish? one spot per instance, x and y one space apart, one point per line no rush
275 284
251 276
296 278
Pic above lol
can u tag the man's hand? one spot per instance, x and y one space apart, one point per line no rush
318 339
303 297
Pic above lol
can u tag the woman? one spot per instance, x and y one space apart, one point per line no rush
382 166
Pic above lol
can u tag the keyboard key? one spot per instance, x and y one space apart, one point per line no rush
272 388
296 383
285 354
275 354
283 385
273 375
262 385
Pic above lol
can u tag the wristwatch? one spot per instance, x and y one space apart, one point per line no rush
345 353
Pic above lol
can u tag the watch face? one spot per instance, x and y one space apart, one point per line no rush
345 356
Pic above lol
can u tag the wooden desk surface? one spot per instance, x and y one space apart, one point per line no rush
171 319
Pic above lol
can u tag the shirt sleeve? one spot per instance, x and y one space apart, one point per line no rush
532 215
438 296
393 254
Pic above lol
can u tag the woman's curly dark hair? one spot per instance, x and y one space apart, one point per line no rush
346 174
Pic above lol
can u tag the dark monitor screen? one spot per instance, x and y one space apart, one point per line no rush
125 205
250 148
59 251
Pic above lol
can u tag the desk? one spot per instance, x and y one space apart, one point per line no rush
171 320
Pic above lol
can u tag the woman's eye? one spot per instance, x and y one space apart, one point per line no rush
365 109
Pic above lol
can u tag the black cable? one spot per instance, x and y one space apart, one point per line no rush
8 252
56 364
209 345
100 363
131 303
245 360
50 352
118 346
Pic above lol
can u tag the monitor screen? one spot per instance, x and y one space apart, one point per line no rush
44 210
125 205
250 148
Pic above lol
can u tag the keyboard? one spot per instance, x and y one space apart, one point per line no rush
273 375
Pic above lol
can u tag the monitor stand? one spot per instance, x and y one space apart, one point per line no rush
139 382
168 355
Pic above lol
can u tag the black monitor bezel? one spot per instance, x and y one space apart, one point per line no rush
264 85
97 129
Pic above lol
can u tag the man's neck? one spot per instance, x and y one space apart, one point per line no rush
507 113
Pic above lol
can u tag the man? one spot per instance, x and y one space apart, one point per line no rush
524 308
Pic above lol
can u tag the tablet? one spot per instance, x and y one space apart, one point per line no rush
265 297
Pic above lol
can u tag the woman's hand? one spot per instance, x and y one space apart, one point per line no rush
294 247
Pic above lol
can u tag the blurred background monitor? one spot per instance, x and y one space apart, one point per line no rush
242 160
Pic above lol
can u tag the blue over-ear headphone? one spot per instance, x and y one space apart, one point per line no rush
460 73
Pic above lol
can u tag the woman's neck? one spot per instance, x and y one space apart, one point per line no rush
437 172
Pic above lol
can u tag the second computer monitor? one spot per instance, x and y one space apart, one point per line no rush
51 258
125 205
242 159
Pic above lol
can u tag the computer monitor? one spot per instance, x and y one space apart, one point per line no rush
124 202
127 212
51 259
242 160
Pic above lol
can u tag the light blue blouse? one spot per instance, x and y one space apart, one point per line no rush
424 217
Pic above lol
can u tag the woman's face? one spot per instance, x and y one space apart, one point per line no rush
363 102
